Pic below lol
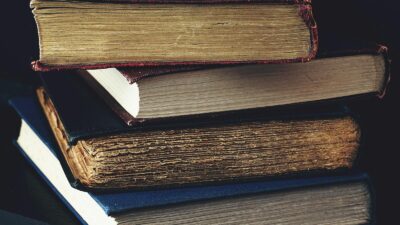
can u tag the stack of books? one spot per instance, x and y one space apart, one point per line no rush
178 112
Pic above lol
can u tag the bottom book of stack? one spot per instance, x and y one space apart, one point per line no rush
333 199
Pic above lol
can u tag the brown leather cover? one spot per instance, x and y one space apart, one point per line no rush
305 11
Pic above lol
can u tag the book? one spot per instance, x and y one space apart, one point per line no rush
137 95
329 199
104 153
136 33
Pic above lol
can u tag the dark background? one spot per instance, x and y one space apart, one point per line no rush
367 20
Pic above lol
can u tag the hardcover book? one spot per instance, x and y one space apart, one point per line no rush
136 33
161 92
104 153
314 200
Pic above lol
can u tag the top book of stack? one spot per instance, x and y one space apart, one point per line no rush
121 33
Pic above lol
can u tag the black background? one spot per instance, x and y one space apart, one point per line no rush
371 20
